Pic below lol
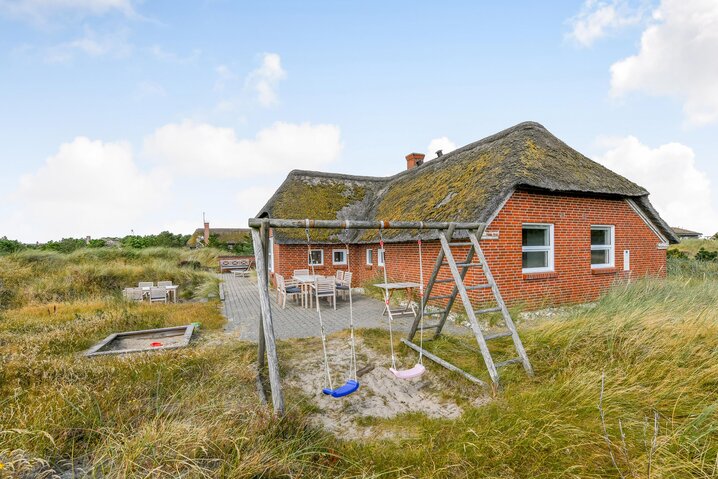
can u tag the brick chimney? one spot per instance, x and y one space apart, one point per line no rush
413 160
206 230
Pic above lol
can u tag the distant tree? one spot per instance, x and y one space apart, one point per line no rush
10 246
164 239
65 245
714 237
96 243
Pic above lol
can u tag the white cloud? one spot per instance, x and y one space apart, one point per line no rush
679 190
39 11
90 44
265 79
171 57
87 187
204 149
597 18
678 57
442 143
251 200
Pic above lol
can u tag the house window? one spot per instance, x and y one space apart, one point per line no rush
380 257
339 256
270 253
316 257
369 257
537 248
602 247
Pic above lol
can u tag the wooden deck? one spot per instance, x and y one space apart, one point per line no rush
241 308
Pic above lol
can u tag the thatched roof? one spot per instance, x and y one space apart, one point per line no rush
467 184
682 232
225 235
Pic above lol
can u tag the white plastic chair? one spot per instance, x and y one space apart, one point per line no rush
345 285
163 284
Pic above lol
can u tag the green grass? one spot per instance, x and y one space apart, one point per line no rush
193 412
691 246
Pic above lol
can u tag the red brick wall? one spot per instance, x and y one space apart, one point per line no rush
573 279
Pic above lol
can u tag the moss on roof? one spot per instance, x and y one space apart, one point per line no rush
468 184
323 199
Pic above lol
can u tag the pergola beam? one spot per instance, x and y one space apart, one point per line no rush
360 225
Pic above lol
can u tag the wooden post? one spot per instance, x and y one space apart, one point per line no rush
264 304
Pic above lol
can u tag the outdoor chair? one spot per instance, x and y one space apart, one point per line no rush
339 276
145 284
286 288
162 284
326 288
301 272
241 270
345 285
158 295
133 294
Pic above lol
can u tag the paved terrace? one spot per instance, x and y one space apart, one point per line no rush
241 308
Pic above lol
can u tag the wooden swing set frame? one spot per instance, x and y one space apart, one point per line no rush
267 344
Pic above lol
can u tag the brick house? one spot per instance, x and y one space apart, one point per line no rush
561 228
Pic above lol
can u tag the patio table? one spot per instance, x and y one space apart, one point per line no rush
305 282
407 286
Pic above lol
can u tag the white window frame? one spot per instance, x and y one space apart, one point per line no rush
380 257
611 248
270 253
309 257
548 249
346 256
369 256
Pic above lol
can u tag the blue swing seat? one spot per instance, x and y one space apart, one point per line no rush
349 387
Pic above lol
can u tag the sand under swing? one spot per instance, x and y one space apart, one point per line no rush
380 395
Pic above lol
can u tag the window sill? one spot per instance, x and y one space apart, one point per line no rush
539 275
610 270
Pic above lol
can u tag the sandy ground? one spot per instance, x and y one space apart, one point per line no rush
380 394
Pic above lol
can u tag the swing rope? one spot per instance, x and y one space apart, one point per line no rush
386 296
421 300
319 311
353 360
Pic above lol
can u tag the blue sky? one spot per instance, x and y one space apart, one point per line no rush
119 116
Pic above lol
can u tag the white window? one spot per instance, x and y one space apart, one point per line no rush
339 256
270 259
380 257
316 257
369 256
602 246
537 248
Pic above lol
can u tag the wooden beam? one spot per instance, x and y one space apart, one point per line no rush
265 306
356 224
443 363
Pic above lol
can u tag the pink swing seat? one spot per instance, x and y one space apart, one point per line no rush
412 373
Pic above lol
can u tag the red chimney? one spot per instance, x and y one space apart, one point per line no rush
206 233
413 160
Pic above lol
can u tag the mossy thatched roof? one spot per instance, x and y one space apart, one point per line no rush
468 184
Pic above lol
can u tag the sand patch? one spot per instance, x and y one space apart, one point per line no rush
380 394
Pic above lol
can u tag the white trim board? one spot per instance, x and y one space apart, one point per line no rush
663 244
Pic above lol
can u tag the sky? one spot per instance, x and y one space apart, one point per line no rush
128 116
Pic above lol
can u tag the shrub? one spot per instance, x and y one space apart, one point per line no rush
676 253
705 255
9 246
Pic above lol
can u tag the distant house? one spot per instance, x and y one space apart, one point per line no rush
684 233
229 236
561 228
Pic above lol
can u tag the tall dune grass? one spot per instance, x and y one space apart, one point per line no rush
651 348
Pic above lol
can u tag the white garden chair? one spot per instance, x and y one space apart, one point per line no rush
345 285
325 288
164 284
158 295
286 288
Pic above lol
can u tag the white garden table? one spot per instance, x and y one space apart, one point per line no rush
305 282
407 286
